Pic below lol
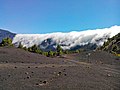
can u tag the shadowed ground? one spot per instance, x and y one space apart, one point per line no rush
21 70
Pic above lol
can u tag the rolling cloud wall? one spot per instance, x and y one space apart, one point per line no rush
67 40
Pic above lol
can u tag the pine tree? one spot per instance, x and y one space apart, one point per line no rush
59 50
20 45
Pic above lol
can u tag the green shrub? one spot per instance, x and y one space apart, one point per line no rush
45 53
35 49
6 42
50 54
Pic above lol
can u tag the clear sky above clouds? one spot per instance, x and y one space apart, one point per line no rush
44 16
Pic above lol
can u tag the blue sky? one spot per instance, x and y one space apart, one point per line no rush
46 16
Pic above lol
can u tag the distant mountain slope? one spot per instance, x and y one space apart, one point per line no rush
113 44
71 40
5 33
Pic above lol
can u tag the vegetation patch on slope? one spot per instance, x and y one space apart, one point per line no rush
112 45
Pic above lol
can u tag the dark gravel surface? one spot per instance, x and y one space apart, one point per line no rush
29 71
15 55
96 57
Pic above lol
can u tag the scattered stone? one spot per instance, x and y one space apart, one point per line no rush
8 75
101 62
37 84
65 74
15 67
64 69
28 77
59 73
43 72
108 75
36 67
26 73
87 67
44 82
6 61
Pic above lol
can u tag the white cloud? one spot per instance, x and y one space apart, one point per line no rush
70 39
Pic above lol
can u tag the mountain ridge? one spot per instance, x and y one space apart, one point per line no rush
5 34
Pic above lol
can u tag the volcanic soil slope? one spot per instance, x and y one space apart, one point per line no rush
22 70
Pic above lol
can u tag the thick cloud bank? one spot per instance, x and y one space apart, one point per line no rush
67 40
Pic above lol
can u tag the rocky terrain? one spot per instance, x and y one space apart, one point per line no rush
94 70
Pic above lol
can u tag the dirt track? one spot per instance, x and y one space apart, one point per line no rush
20 70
